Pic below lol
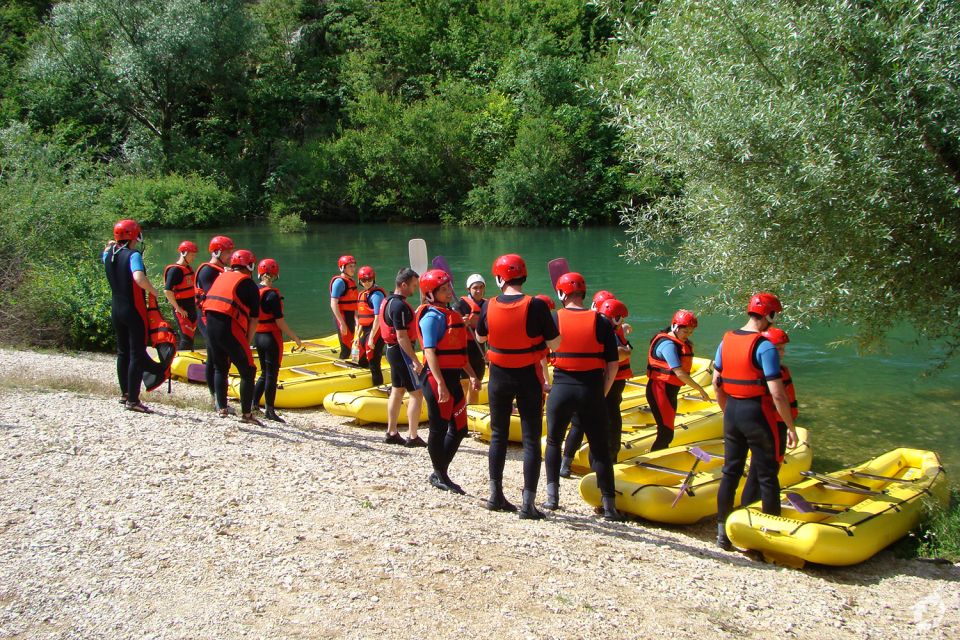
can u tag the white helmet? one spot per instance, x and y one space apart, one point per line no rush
474 279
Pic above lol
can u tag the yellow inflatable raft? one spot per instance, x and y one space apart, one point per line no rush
370 405
847 516
648 486
189 365
307 385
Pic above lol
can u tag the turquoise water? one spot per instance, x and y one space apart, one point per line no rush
854 406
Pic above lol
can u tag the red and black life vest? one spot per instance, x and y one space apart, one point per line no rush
507 339
347 301
201 294
741 377
185 290
163 339
452 347
365 314
267 321
223 298
624 372
475 310
660 370
387 331
579 348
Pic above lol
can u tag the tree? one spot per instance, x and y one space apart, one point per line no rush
819 152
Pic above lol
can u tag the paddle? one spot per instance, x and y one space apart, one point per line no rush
556 268
701 456
417 248
802 505
930 472
841 485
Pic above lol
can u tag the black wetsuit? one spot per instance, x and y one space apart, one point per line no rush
224 348
268 352
612 403
173 280
203 280
474 350
128 311
399 315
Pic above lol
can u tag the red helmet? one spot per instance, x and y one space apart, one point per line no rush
509 266
764 304
126 230
187 247
366 273
571 282
221 243
345 260
546 299
684 318
613 308
433 280
268 266
243 258
600 297
776 335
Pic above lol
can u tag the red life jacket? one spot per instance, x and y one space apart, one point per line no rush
658 369
185 290
348 301
624 371
201 294
267 321
223 298
365 314
507 339
163 339
579 348
387 331
452 347
741 377
475 310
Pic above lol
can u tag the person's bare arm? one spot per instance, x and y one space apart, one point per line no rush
144 283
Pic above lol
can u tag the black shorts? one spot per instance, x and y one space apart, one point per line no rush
401 373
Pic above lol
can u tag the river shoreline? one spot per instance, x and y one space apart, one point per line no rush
181 524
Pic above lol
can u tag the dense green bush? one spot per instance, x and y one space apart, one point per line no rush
171 201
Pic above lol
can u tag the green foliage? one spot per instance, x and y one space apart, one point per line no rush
938 537
286 221
819 147
171 201
72 305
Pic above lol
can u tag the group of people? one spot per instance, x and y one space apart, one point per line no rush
512 333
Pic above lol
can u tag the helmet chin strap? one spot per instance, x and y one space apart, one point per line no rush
674 327
500 282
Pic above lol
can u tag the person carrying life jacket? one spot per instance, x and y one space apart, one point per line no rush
343 303
470 307
614 311
779 338
747 368
179 290
232 309
164 341
128 309
271 327
220 247
518 330
585 367
443 336
370 342
397 326
669 361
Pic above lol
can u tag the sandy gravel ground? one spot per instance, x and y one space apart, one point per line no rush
184 525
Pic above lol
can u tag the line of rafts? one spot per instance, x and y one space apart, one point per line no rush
838 518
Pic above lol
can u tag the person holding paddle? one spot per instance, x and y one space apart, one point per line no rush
343 303
584 371
470 307
368 317
396 323
269 338
518 330
747 368
669 361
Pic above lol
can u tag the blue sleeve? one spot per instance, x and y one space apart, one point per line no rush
136 262
432 327
716 359
103 256
375 300
769 360
338 288
667 350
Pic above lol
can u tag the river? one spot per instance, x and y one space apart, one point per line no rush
855 406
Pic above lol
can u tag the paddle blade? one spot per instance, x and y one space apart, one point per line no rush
556 268
417 248
700 454
441 263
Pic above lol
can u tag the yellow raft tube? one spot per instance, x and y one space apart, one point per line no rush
648 486
845 517
307 385
370 405
189 365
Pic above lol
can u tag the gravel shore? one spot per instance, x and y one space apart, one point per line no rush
184 525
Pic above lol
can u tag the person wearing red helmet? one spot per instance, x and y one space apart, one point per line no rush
779 338
669 360
369 342
443 336
585 367
518 329
397 327
232 310
600 297
271 326
220 248
470 307
128 309
615 312
181 294
343 303
746 369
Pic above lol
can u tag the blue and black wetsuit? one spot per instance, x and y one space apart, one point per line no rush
128 311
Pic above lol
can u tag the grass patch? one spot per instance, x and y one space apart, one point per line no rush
938 538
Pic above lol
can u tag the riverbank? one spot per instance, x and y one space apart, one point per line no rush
181 524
